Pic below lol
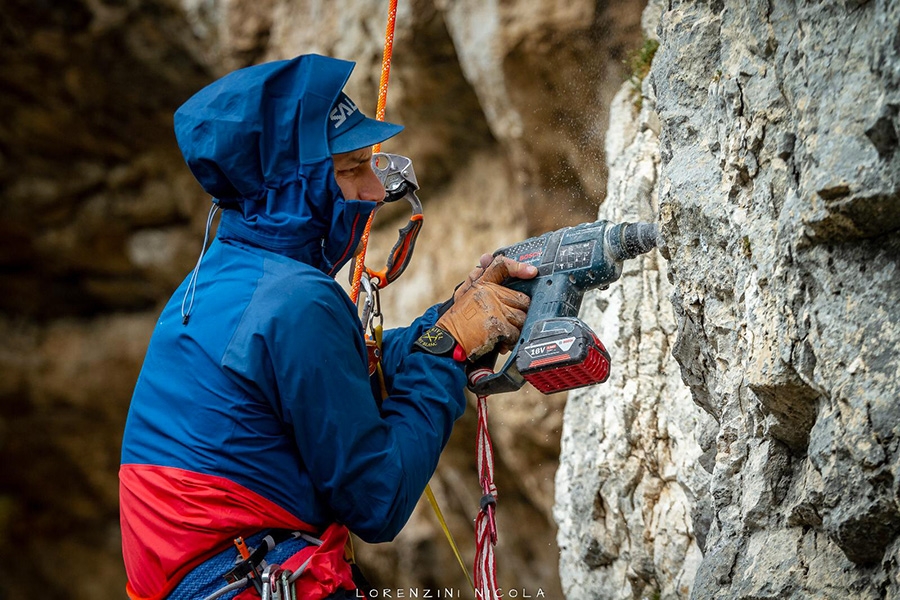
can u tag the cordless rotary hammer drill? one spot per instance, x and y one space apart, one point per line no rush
556 350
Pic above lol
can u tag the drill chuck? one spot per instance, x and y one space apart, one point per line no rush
627 240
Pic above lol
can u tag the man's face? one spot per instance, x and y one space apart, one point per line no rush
354 175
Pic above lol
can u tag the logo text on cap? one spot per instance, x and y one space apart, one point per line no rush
341 111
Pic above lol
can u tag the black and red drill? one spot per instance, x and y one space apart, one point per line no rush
557 351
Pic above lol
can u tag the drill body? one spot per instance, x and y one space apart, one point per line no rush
557 351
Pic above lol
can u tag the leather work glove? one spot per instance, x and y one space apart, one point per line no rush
484 313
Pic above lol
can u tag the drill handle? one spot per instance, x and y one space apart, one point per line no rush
482 380
551 296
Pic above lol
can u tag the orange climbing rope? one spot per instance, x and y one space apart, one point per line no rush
487 582
386 64
379 115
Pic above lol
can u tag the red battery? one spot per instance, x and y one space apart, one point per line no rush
563 358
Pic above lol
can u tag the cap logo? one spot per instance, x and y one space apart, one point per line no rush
341 111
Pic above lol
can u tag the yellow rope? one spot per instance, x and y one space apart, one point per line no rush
440 515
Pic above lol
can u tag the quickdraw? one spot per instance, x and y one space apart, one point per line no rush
271 581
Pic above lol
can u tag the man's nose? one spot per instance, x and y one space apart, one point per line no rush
370 188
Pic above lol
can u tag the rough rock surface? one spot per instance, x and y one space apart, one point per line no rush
101 220
778 189
780 203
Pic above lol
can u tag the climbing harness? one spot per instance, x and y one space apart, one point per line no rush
270 580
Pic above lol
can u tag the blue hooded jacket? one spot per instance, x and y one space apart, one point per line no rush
259 411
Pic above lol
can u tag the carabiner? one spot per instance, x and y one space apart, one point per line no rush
376 306
371 308
369 302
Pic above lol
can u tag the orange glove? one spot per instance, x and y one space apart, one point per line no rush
484 313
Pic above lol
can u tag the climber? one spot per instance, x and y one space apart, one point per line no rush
254 427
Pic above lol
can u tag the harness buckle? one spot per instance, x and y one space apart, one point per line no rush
252 566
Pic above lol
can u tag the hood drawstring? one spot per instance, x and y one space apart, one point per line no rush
192 284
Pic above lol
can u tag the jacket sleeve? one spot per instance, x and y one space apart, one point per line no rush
369 467
397 343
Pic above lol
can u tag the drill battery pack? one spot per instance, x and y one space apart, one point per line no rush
562 354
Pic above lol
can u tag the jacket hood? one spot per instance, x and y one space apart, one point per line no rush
257 142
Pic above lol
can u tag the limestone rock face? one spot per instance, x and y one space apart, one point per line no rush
778 184
779 205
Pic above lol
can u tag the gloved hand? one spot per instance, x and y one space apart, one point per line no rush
484 313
